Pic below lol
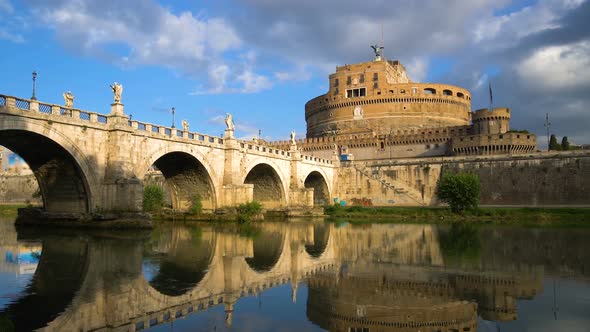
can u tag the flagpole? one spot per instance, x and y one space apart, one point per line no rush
491 96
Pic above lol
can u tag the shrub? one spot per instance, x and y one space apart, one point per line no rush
460 191
153 198
331 209
197 205
247 210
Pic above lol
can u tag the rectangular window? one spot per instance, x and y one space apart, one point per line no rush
335 91
362 78
360 92
376 85
348 80
375 77
335 82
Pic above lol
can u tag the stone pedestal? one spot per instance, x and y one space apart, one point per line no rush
229 133
117 109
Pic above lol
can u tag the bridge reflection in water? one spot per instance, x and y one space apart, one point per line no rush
376 277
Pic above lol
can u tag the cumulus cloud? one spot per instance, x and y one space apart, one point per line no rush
139 32
11 24
557 67
417 68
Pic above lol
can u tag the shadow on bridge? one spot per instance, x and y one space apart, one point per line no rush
62 183
187 179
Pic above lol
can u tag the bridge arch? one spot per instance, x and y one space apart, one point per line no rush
187 174
269 185
268 247
321 237
317 181
182 256
66 176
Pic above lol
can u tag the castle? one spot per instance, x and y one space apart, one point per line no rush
373 110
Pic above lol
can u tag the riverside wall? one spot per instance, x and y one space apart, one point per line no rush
16 188
537 179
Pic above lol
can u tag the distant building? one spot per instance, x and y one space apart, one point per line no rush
13 163
373 110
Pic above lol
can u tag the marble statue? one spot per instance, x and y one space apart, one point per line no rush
229 122
184 125
118 91
68 99
292 137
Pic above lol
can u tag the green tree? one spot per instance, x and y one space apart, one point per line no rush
460 191
153 198
5 323
248 210
565 144
197 205
553 143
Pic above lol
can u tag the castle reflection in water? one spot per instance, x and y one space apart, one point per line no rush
358 278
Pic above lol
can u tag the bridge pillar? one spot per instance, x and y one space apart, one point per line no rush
234 192
299 196
122 190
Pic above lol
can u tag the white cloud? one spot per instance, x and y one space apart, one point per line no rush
243 79
145 33
417 68
253 82
494 32
557 67
507 29
15 38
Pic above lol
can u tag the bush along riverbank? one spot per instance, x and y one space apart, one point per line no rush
496 215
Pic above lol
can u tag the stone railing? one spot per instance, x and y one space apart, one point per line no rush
51 109
263 149
28 105
175 133
317 159
279 152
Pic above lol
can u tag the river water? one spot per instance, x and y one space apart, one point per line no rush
295 276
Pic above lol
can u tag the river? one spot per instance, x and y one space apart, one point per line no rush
295 276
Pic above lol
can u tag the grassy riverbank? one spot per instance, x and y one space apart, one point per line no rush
10 210
495 215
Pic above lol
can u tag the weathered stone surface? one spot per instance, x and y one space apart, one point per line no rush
91 163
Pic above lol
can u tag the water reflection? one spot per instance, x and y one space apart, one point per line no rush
355 278
177 258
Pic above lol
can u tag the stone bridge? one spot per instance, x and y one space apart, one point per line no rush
87 162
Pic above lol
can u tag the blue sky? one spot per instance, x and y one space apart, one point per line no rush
261 60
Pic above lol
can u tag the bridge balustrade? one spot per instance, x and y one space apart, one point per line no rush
23 104
45 108
51 109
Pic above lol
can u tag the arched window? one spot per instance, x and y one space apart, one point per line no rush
430 91
447 92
